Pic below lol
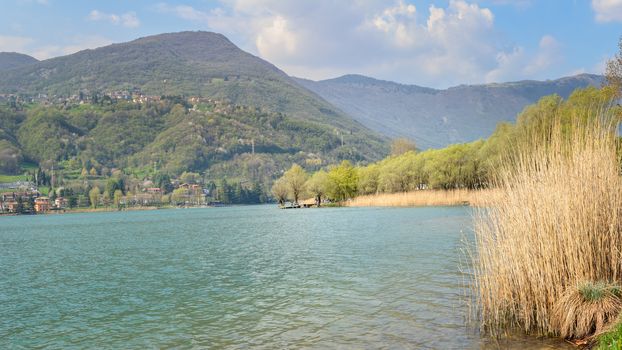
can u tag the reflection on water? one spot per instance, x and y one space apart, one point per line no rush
244 277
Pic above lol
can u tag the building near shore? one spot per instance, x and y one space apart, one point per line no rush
42 204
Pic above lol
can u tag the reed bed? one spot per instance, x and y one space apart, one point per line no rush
556 224
426 198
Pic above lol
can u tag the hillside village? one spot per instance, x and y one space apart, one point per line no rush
86 97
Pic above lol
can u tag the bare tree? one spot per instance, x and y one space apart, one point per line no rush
613 71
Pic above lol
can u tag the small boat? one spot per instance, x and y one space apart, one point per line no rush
290 206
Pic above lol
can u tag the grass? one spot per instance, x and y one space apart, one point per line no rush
611 340
557 223
425 198
12 178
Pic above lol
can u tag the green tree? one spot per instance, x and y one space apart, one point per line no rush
190 178
72 201
280 190
94 194
295 178
118 196
368 179
343 180
163 181
114 184
19 208
225 192
318 185
179 196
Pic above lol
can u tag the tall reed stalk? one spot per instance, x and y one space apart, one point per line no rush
557 222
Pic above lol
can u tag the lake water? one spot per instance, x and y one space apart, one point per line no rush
239 277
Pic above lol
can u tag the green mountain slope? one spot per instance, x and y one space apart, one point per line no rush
186 63
223 141
12 60
436 118
256 102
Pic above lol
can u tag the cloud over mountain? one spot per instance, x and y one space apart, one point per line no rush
437 46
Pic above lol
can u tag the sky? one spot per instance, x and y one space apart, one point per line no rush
429 43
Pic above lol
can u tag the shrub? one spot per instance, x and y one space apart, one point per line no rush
586 309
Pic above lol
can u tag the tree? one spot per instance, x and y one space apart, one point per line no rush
179 195
93 172
318 185
224 192
368 179
20 205
163 181
189 178
118 195
402 145
114 184
280 191
343 181
72 201
613 71
295 178
94 196
31 204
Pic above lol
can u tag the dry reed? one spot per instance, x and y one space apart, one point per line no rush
557 223
425 198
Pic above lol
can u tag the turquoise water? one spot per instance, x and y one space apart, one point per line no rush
239 277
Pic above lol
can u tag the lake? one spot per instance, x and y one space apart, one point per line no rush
239 277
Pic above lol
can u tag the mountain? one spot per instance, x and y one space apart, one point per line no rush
185 63
11 60
248 119
436 118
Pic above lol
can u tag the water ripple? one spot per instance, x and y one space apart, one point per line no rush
237 278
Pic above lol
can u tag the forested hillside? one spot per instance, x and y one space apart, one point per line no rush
187 63
216 138
11 60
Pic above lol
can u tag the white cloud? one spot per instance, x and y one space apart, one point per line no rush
519 63
75 44
434 46
128 19
10 43
607 10
31 47
183 11
548 54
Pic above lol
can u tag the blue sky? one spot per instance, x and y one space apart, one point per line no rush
430 43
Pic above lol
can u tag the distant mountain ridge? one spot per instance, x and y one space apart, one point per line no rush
434 117
11 60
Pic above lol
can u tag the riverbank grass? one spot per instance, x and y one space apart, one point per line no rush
556 225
